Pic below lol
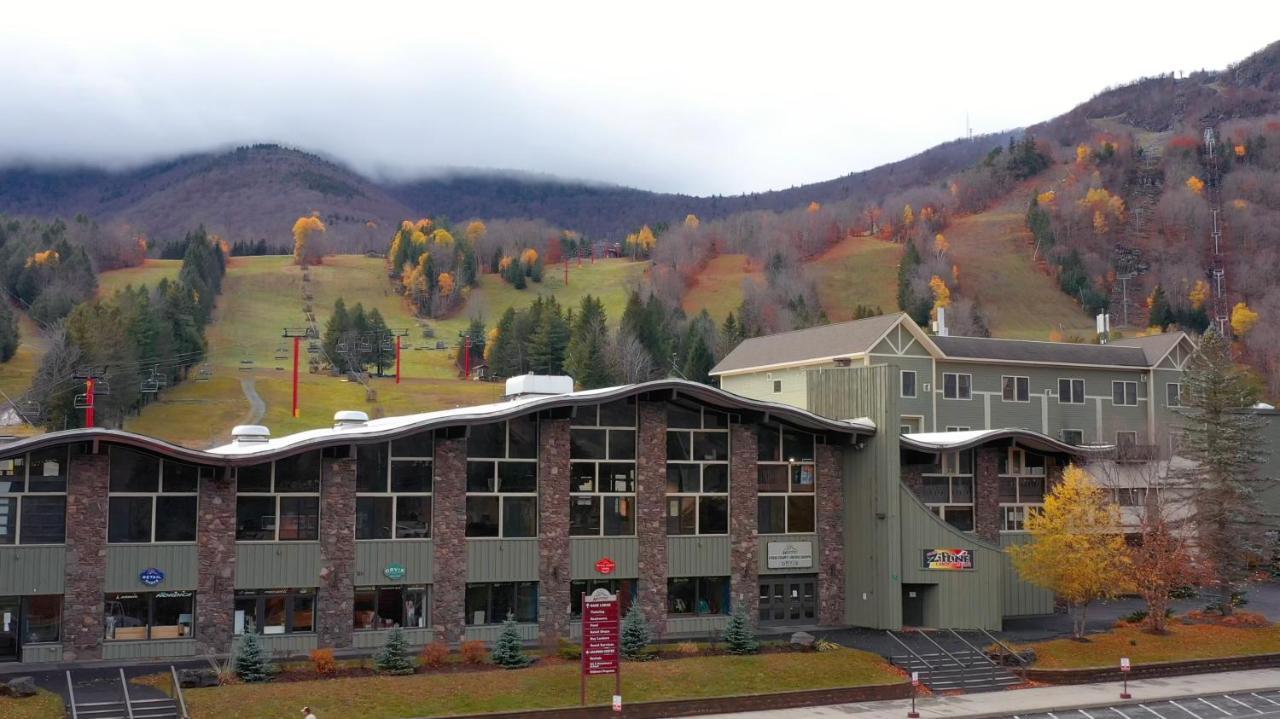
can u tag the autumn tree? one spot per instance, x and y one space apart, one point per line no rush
1076 550
308 241
692 222
1195 184
1242 319
940 245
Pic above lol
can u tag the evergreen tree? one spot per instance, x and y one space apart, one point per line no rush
739 635
476 331
336 329
504 355
508 651
8 332
1223 441
535 270
550 340
394 657
495 261
730 335
698 357
1161 314
379 354
586 356
251 662
635 635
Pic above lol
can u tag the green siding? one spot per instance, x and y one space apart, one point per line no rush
584 552
39 653
489 632
32 570
416 636
697 626
1268 471
277 565
374 556
502 560
126 561
703 556
154 649
762 551
286 645
1021 598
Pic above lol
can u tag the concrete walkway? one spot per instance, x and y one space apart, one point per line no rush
257 407
1041 699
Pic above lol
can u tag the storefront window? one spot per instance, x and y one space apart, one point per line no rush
502 488
274 611
393 494
624 589
33 498
603 471
41 619
697 471
388 607
149 615
151 500
787 481
492 603
279 501
698 595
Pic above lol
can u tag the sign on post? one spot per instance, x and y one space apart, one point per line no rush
601 645
1124 664
915 679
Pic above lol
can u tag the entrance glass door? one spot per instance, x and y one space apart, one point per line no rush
788 599
9 628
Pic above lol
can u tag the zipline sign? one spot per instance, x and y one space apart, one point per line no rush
601 644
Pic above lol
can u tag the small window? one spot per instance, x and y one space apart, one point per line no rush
1175 394
698 595
1073 436
908 383
1015 389
956 386
493 603
1071 391
1124 394
955 428
1126 439
777 386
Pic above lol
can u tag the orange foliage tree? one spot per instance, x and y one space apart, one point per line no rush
308 242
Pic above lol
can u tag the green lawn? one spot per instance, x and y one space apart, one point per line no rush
718 287
149 273
43 705
857 270
1194 641
544 686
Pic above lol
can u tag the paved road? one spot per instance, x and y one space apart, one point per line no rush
1214 706
257 407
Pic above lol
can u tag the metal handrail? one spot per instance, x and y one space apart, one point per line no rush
177 691
71 696
912 652
964 671
975 650
124 686
1022 663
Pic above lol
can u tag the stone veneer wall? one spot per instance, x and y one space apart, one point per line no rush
830 493
744 568
651 507
986 490
913 476
216 553
335 598
449 539
86 563
553 531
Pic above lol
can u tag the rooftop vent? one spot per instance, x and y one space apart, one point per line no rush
527 385
349 418
249 433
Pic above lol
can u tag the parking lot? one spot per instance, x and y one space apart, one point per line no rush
1215 706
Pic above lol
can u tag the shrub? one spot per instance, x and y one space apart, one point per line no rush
474 652
394 657
508 651
323 661
434 654
568 650
739 636
252 664
1134 617
687 648
635 635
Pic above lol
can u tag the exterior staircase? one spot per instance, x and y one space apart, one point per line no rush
946 661
112 697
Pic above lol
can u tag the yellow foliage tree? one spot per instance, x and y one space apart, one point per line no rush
442 238
940 245
1100 224
308 246
43 259
528 257
941 293
505 262
1240 150
1242 319
1199 294
445 283
491 338
692 222
475 232
423 225
813 207
1196 184
1082 153
908 216
1239 203
1076 549
1046 198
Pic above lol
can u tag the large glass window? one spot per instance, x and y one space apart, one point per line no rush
390 607
149 615
948 489
151 500
1020 496
279 501
502 479
957 385
275 611
41 619
624 589
1015 389
393 490
493 603
698 595
697 471
33 498
787 479
602 471
1124 394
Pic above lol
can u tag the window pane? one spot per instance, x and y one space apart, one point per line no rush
964 386
8 520
682 515
803 478
390 607
180 477
421 444
175 519
411 476
797 446
961 518
480 477
246 615
299 518
622 444
519 516
48 470
683 478
678 446
371 467
173 615
126 616
1008 489
768 443
713 515
303 611
949 386
365 609
416 604
482 516
582 477
129 519
966 461
587 444
256 478
41 618
134 471
619 516
13 473
44 520
487 440
773 477
715 478
300 473
962 489
618 477
523 442
1024 389
255 518
517 476
584 516
771 515
936 490
585 416
1031 489
908 383
503 602
526 609
713 595
711 446
800 513
682 417
413 517
682 595
477 604
275 614
1117 392
373 518
618 414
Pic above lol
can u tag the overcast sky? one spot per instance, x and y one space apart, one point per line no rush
683 97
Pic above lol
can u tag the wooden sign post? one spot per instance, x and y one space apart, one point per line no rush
601 643
1124 672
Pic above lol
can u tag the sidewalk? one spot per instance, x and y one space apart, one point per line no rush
1040 699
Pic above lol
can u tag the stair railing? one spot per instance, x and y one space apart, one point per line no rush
979 652
964 671
71 696
912 652
177 693
1022 663
128 703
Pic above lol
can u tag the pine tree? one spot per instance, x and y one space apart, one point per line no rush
508 651
739 635
550 340
635 635
394 657
8 332
1161 314
1223 441
504 355
585 356
251 663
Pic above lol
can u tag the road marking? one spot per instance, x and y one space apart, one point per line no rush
1153 711
1086 714
1176 704
1246 706
1117 711
1264 698
1202 700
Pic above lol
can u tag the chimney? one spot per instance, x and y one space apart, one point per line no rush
250 434
940 324
1102 323
349 418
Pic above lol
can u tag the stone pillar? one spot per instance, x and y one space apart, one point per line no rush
216 553
449 539
86 556
830 493
335 598
651 517
554 571
913 477
744 564
986 493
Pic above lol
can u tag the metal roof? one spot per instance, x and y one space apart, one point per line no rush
810 344
985 348
1155 346
945 441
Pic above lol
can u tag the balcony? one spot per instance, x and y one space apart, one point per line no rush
1135 453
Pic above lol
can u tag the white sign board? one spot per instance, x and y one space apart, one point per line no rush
1124 664
790 555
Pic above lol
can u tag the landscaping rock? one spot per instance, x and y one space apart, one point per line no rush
22 687
802 640
196 678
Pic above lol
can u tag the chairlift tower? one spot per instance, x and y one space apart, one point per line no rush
1217 266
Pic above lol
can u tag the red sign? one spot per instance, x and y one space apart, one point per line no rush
606 566
600 643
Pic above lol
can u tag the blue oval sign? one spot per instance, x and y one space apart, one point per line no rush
151 576
394 571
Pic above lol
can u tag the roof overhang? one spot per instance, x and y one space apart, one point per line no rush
952 441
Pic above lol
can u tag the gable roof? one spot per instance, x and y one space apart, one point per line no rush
984 348
1156 347
812 344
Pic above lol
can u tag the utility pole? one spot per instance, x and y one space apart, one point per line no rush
397 359
297 334
92 389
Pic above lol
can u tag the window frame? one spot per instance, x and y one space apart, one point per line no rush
497 492
395 497
515 602
701 495
599 496
424 590
151 598
795 471
155 497
18 497
261 596
944 465
1071 384
1124 385
777 386
1021 389
699 585
1014 513
1063 434
1179 394
902 384
967 394
277 497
